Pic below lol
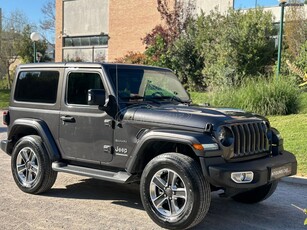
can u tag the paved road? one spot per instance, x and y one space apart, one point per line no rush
82 203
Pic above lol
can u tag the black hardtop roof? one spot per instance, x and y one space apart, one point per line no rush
86 65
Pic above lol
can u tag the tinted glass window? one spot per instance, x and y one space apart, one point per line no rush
38 86
147 84
79 84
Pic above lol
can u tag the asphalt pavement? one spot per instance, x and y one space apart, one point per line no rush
76 202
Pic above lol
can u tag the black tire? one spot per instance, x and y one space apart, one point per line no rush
256 195
34 174
189 207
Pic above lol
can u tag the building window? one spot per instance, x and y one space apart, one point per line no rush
101 40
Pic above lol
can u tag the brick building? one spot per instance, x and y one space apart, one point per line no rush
96 30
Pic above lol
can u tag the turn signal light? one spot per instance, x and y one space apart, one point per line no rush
198 147
206 147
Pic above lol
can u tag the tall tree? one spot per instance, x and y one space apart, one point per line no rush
25 47
175 16
10 37
47 24
236 45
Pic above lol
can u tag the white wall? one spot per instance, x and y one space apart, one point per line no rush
276 11
85 17
208 5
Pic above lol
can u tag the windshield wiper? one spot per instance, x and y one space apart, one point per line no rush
137 97
172 98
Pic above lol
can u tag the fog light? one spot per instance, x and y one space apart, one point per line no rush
242 177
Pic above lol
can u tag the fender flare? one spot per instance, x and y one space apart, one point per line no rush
43 131
176 136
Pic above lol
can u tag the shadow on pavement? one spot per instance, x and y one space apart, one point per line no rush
224 213
3 129
92 189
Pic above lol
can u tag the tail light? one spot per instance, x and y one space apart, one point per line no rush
6 118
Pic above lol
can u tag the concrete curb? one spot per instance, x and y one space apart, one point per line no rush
295 180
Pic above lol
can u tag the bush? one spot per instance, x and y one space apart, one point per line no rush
235 46
262 96
4 98
133 58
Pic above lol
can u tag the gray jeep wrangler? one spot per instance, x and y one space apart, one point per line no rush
132 123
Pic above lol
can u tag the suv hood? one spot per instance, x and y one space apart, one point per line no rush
189 116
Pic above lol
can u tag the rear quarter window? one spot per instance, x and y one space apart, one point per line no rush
37 86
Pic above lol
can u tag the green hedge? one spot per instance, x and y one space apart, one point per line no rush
4 98
262 96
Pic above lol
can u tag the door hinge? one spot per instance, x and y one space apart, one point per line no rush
109 123
107 149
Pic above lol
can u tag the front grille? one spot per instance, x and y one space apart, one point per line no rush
250 139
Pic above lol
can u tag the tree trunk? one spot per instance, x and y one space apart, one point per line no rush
9 76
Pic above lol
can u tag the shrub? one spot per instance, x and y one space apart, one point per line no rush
235 46
133 58
262 96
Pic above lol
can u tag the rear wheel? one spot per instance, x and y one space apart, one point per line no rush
31 165
256 195
174 192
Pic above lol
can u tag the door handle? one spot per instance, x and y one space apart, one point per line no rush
68 119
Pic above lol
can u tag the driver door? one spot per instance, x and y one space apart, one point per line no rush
85 134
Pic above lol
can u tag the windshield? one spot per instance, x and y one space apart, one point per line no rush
148 85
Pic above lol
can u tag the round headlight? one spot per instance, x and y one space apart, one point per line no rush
225 136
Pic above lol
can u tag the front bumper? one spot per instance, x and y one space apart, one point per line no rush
218 172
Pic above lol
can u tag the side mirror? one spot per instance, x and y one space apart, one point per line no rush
96 97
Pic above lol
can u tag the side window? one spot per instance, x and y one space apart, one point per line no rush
37 86
78 86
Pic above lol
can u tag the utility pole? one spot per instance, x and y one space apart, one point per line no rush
281 26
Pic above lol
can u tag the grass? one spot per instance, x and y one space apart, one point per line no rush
4 98
293 129
199 98
303 103
261 96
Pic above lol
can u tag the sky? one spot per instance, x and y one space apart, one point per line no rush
32 8
252 3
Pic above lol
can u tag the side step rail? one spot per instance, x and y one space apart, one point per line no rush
118 177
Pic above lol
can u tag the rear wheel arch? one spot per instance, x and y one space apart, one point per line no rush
25 127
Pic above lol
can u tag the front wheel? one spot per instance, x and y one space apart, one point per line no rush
174 192
256 195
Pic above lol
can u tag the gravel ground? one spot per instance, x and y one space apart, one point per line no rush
77 202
